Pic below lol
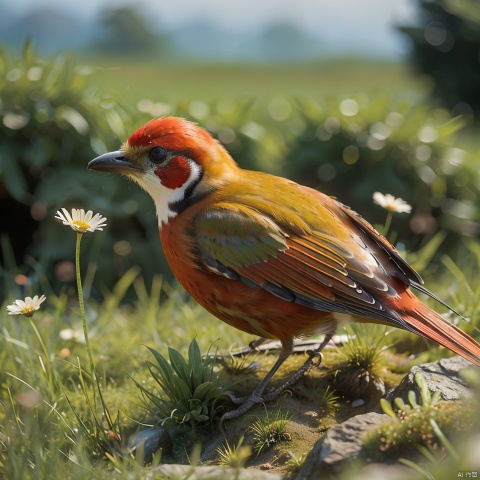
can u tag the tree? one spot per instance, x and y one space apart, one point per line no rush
124 30
446 46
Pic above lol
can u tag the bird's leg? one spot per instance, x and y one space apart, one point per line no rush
301 371
256 397
253 346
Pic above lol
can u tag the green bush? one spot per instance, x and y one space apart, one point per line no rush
54 120
352 147
445 44
189 389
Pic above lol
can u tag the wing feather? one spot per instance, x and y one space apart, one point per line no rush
312 268
398 266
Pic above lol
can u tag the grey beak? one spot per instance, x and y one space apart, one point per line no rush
114 162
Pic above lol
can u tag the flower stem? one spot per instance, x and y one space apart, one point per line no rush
44 348
106 413
81 303
388 222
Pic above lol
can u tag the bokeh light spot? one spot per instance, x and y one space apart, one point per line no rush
349 107
435 33
226 135
326 172
198 109
122 247
351 154
332 125
279 109
34 74
21 279
428 134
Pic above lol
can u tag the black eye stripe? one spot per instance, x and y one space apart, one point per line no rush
157 155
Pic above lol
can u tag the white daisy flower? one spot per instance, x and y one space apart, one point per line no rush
389 202
80 221
26 307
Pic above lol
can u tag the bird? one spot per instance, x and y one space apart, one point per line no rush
269 256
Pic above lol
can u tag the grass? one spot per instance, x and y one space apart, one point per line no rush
361 359
269 430
47 425
130 81
234 457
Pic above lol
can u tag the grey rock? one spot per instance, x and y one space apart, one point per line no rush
441 376
149 440
175 472
342 443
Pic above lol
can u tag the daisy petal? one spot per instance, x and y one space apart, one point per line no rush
25 307
82 221
390 203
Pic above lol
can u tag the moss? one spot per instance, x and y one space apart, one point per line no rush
399 437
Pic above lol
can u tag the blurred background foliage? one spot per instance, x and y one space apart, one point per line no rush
446 48
380 130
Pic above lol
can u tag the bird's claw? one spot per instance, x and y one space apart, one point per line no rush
254 344
318 356
247 404
234 399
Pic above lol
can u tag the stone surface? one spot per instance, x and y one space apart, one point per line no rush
214 473
340 444
441 376
150 440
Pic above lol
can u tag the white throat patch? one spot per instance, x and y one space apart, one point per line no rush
163 196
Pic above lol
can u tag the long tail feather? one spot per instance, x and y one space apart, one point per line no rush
425 322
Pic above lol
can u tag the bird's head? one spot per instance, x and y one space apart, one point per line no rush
174 160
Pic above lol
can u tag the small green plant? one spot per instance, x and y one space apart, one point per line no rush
418 424
238 365
433 456
326 399
426 399
268 431
234 457
365 345
329 401
465 294
190 389
295 462
362 359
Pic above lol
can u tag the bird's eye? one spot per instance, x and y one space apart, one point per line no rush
157 154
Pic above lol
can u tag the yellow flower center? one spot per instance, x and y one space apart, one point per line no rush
28 311
81 226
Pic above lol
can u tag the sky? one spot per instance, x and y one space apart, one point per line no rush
342 25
